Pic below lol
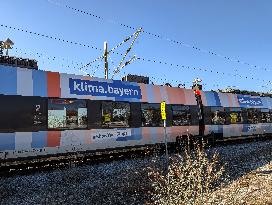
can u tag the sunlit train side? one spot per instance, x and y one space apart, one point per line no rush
46 113
228 115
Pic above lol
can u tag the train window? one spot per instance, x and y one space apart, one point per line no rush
151 115
181 115
270 114
218 115
265 116
252 116
235 115
67 114
115 114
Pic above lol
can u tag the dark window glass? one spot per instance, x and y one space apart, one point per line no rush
265 116
218 115
67 114
195 112
151 115
94 108
22 113
235 115
252 116
270 116
181 115
115 114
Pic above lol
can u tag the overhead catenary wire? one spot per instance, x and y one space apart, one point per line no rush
53 58
96 68
65 41
143 59
178 42
117 70
186 67
200 69
120 66
114 66
112 62
46 56
113 49
163 80
50 37
185 84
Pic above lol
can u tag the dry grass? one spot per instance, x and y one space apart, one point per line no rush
253 188
194 178
190 178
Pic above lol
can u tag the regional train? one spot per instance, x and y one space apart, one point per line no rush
45 113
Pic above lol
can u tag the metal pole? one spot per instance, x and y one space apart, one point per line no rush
106 60
165 141
166 155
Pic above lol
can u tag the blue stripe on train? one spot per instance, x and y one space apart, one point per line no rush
251 128
150 93
7 141
39 139
136 134
217 100
153 134
127 99
216 128
39 83
212 98
8 82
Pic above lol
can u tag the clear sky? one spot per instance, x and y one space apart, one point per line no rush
239 29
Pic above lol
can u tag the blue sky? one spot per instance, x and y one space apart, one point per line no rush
238 29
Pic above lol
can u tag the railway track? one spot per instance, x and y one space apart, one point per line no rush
28 166
116 180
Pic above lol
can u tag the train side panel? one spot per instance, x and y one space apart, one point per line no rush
31 144
244 103
24 96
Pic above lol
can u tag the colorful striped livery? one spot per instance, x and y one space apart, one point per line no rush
41 104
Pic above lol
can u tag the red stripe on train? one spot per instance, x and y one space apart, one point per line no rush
53 84
53 138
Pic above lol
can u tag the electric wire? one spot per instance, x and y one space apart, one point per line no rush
113 49
44 56
200 69
52 58
143 59
51 37
117 70
96 68
178 42
177 66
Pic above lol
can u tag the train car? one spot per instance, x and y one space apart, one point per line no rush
228 115
45 113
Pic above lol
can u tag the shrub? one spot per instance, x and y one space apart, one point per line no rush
189 179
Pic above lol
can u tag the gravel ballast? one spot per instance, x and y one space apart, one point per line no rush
117 182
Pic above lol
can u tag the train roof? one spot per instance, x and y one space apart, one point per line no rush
213 98
245 92
31 82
